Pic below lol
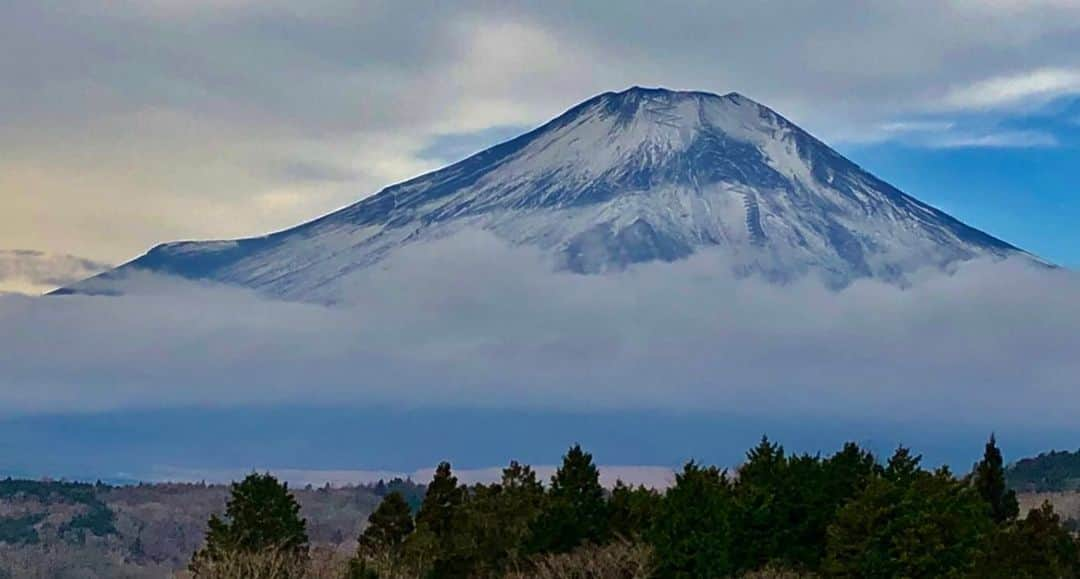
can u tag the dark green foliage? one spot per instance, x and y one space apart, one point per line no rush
988 477
1049 472
498 519
1033 547
20 530
387 529
411 491
692 533
575 512
441 503
763 507
97 518
631 511
908 523
260 516
435 547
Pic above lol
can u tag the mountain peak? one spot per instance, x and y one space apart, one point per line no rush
625 177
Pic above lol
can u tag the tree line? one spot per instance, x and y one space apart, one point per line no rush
843 515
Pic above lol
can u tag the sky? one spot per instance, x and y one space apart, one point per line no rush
128 123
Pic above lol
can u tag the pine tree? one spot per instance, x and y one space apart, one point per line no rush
763 504
1033 547
575 512
631 510
261 516
441 502
988 477
692 530
436 544
387 529
908 523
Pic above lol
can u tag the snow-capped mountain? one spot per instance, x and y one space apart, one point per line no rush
634 176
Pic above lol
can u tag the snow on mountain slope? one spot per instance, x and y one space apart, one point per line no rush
628 177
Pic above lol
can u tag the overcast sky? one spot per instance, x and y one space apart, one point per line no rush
126 123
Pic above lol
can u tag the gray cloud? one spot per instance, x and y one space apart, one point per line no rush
470 322
28 271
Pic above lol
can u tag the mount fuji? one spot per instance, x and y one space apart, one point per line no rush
622 178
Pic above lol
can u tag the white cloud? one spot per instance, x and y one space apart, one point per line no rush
472 322
1022 89
996 140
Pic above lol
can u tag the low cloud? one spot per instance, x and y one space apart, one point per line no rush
472 323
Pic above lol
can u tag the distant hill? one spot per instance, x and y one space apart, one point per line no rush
68 529
1054 471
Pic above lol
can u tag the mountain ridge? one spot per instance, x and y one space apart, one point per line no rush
624 177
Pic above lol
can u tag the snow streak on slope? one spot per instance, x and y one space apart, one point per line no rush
623 178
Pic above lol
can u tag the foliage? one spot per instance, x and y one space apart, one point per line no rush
631 511
908 523
692 533
1049 471
988 477
382 542
261 516
575 512
1033 547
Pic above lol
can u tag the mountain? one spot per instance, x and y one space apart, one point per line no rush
622 178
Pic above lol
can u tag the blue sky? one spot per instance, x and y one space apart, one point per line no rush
1025 194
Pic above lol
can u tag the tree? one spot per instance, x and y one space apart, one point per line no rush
908 522
494 526
1033 547
988 477
387 529
763 502
692 532
432 544
261 516
575 511
631 510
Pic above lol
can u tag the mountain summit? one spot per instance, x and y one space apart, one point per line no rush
622 178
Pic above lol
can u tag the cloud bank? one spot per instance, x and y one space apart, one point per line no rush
472 323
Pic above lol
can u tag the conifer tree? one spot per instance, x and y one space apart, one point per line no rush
692 530
1036 546
261 516
989 480
387 529
441 503
575 512
763 504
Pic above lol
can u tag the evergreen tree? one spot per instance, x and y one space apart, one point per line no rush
988 477
432 547
763 507
387 529
441 502
575 512
692 532
631 510
1033 547
261 515
496 522
908 523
